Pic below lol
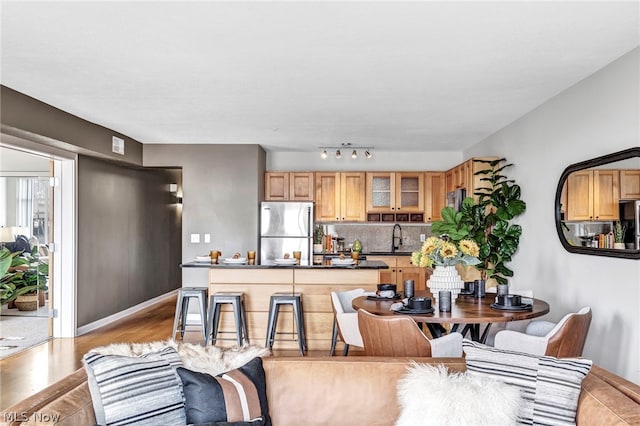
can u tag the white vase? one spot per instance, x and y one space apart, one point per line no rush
445 278
619 246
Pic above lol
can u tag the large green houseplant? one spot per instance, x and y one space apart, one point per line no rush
488 221
20 274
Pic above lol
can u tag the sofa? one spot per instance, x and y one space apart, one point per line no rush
354 390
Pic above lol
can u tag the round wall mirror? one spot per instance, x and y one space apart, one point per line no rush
597 206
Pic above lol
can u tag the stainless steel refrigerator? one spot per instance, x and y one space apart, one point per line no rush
285 227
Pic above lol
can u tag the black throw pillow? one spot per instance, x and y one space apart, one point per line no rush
236 397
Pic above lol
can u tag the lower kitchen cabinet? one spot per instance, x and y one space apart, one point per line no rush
401 269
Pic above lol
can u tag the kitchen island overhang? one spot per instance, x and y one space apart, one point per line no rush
314 282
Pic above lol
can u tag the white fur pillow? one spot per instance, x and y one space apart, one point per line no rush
210 359
429 395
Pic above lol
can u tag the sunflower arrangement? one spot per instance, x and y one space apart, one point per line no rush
442 251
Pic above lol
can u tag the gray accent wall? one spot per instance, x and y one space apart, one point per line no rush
129 231
222 190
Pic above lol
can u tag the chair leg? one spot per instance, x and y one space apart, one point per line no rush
209 321
302 326
185 309
346 350
268 343
203 316
177 316
299 325
238 319
244 323
334 337
216 323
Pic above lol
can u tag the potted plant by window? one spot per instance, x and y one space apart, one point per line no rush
488 222
21 277
618 235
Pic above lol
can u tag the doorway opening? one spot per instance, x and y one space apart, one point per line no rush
37 202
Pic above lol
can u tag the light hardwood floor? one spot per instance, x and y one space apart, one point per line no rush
32 370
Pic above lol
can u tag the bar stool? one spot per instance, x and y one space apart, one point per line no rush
236 300
185 294
295 300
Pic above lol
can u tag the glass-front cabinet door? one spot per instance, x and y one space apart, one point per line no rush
381 187
410 192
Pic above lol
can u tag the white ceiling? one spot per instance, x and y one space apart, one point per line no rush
414 76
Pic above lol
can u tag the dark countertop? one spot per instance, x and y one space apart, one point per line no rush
372 264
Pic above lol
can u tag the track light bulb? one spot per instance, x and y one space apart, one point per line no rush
367 154
338 154
324 154
354 154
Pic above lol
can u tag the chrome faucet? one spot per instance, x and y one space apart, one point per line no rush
395 246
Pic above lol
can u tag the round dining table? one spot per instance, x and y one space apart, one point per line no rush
467 311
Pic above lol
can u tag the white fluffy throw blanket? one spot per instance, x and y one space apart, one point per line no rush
209 359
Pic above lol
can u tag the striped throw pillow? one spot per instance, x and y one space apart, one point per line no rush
238 396
143 390
550 387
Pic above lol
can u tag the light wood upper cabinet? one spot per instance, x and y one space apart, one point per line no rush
593 195
381 191
301 187
463 176
395 191
288 186
630 184
340 197
434 195
276 186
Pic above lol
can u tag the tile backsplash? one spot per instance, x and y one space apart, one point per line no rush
378 237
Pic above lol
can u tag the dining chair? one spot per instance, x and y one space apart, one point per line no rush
400 336
345 320
564 339
520 325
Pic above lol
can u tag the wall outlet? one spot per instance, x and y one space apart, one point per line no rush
423 237
195 238
207 238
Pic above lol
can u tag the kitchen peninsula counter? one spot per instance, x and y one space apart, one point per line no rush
315 283
373 264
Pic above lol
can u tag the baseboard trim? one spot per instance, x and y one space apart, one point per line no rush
120 315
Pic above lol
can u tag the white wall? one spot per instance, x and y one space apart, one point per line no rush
599 115
381 160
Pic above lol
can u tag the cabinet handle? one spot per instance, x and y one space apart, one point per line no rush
343 218
392 208
398 208
337 218
399 270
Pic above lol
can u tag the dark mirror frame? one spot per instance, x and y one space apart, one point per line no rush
598 161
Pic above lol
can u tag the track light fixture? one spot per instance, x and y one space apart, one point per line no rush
346 145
